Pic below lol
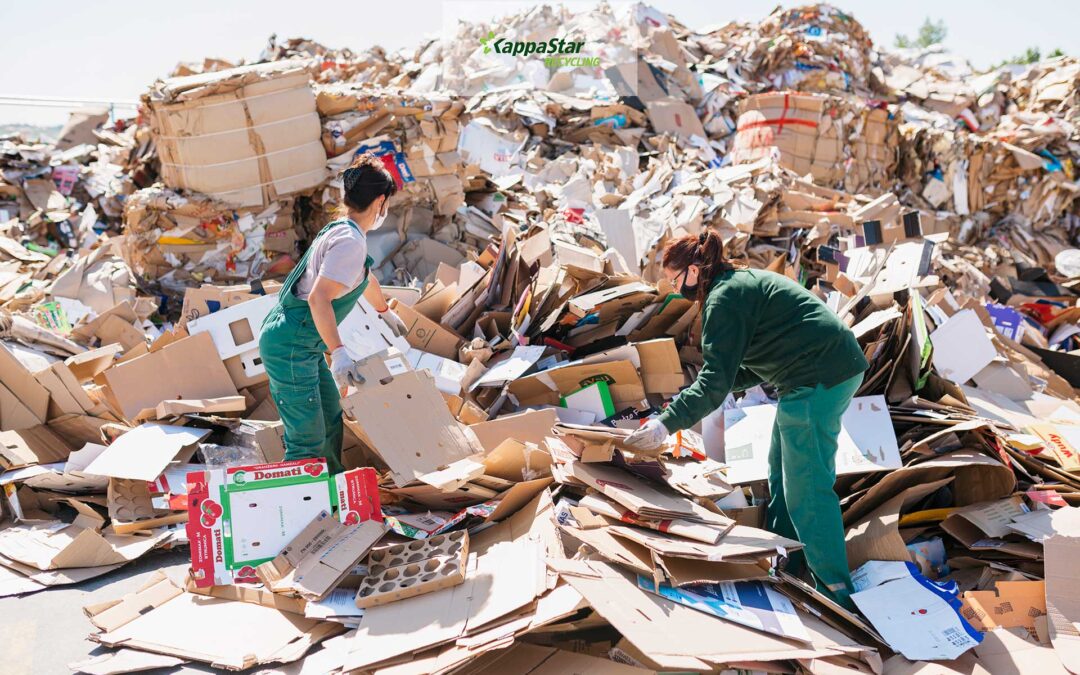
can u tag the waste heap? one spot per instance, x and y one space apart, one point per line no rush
490 517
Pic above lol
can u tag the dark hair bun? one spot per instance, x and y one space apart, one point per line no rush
366 180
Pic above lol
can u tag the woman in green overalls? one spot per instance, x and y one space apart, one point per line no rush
761 327
318 294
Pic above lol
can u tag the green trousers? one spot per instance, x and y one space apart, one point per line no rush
802 469
303 389
300 381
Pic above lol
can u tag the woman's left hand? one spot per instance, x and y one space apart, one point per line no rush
650 436
397 326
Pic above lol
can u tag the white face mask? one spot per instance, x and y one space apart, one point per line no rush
379 220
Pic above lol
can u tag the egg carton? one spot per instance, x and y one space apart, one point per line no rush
129 500
406 570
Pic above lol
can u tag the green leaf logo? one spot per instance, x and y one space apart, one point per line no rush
484 41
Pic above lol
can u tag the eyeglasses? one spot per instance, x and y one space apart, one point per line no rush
679 284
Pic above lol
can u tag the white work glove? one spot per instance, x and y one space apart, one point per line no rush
397 326
344 370
649 436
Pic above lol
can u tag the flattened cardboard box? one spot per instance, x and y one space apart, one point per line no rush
145 451
324 552
187 368
241 517
162 618
57 545
432 448
36 445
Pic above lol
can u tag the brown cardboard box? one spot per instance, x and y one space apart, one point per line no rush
188 368
34 445
24 402
546 387
1010 604
432 448
427 335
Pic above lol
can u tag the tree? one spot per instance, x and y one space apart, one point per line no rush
1029 56
930 33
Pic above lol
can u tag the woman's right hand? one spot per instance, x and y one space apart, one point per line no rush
344 369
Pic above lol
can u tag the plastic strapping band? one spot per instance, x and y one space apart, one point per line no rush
259 185
244 129
181 101
242 159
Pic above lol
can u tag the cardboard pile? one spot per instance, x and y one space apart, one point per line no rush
506 526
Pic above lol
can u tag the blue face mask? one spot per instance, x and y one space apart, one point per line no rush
686 290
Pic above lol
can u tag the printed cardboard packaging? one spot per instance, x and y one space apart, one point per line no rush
241 517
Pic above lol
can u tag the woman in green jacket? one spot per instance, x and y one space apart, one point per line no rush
762 327
317 295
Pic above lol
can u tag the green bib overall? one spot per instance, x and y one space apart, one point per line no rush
292 351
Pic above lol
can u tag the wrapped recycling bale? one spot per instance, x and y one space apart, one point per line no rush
244 136
840 142
813 48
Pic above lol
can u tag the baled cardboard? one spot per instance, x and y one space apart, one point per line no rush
162 618
186 369
317 559
241 517
433 448
248 139
145 451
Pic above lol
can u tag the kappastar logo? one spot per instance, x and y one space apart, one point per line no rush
557 52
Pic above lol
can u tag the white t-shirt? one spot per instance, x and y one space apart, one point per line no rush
339 256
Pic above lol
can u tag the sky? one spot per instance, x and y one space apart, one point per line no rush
113 50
